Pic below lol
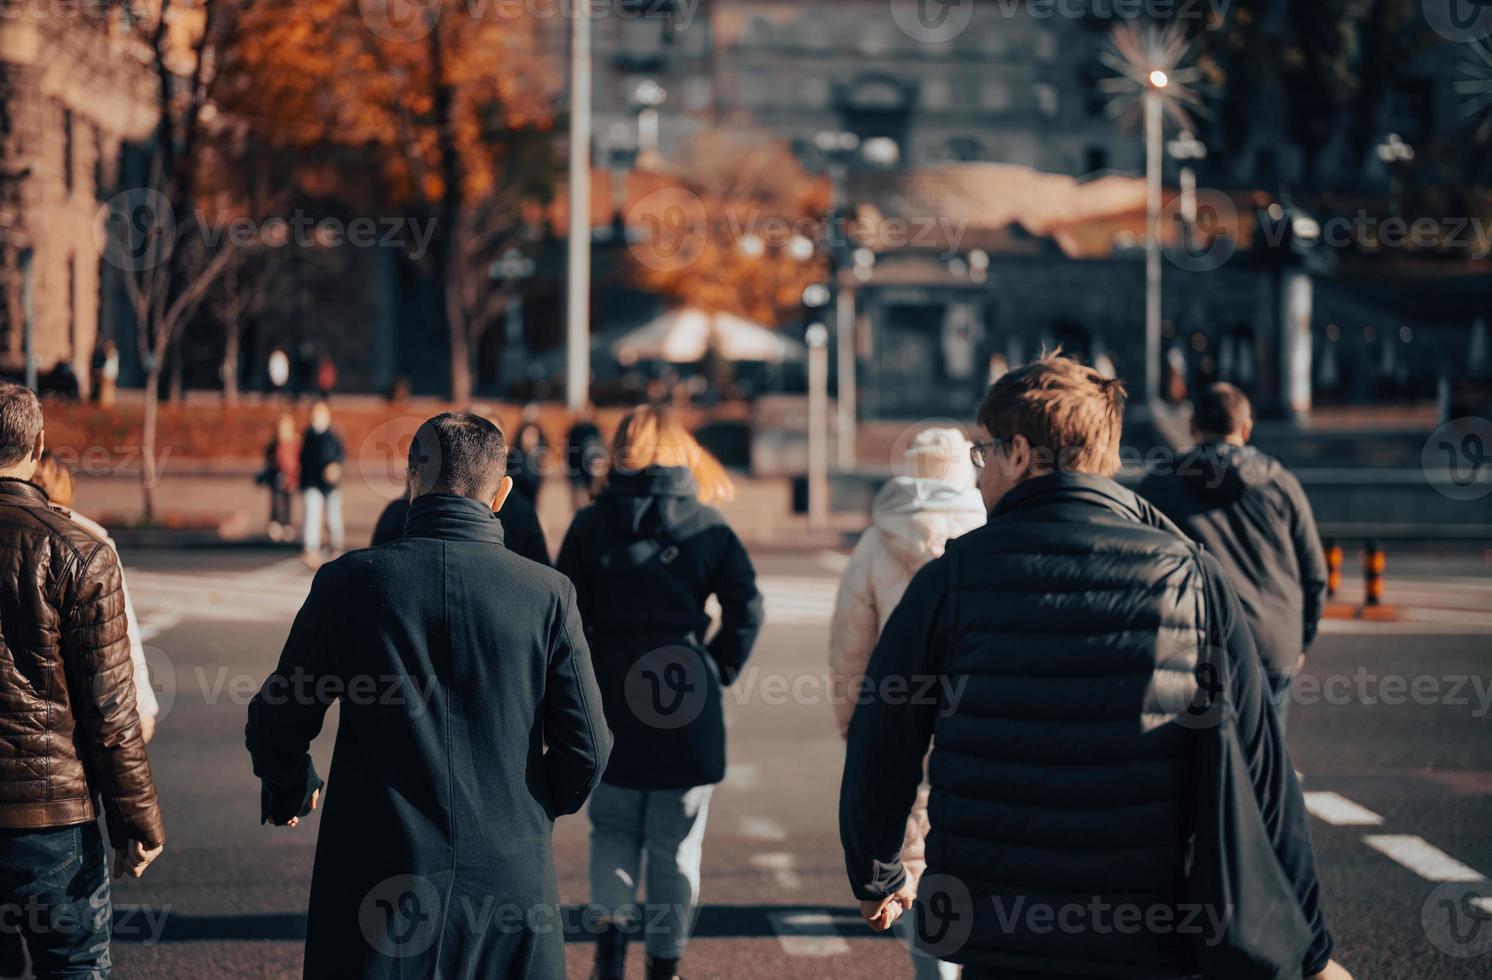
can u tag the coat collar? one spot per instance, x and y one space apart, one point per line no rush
441 515
654 481
1063 487
17 491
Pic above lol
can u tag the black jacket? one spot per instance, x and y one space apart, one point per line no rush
1253 517
644 558
470 720
318 450
1049 658
521 532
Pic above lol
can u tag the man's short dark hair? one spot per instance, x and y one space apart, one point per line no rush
1221 410
20 422
459 453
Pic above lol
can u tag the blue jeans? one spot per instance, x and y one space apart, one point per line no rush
54 900
666 825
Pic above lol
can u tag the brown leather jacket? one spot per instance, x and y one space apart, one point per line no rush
69 732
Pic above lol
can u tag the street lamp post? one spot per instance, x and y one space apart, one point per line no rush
578 244
1153 128
839 148
817 338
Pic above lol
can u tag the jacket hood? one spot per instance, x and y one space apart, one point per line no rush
917 517
1222 472
644 501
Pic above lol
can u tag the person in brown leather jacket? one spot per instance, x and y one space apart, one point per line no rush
69 731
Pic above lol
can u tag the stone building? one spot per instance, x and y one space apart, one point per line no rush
76 89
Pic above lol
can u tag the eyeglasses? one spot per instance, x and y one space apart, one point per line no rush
979 450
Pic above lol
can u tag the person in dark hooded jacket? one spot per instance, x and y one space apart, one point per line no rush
644 558
1252 515
522 533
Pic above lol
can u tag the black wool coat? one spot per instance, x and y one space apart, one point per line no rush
470 720
644 558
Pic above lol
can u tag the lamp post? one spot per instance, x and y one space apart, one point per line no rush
578 243
1157 80
817 338
645 100
839 149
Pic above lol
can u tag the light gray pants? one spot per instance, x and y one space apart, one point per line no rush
318 504
668 827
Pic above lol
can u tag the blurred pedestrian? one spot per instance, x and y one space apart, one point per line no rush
277 369
321 460
469 721
281 474
1254 519
521 531
106 374
1085 675
326 375
58 481
644 559
529 457
585 458
69 730
912 519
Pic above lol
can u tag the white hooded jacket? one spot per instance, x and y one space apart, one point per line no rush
912 520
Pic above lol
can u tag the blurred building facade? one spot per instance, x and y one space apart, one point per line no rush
75 91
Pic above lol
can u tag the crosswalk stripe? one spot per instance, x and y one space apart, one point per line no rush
1339 811
804 934
1422 857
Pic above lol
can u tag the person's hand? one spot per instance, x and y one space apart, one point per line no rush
315 798
1333 971
147 727
1300 663
880 913
332 473
134 858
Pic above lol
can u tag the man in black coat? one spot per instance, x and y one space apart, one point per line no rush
1052 658
1254 518
470 720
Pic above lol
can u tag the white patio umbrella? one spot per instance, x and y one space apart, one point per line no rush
685 335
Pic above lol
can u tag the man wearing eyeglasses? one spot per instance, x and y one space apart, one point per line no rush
1071 774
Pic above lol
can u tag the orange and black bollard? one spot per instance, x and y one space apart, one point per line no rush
1373 564
1333 569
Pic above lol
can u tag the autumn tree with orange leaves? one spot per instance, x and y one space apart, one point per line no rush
449 101
737 229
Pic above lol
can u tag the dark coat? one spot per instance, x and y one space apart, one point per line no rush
1254 518
470 720
644 558
318 450
1054 650
521 532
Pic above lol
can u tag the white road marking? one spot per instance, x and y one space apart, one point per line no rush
798 932
783 868
1422 857
763 829
1339 811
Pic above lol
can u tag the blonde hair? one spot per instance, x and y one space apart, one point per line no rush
651 436
55 478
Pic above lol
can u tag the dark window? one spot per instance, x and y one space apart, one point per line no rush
72 303
67 149
99 185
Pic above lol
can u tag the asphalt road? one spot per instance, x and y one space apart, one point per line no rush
1395 746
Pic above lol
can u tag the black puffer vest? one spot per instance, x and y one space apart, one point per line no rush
1059 774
